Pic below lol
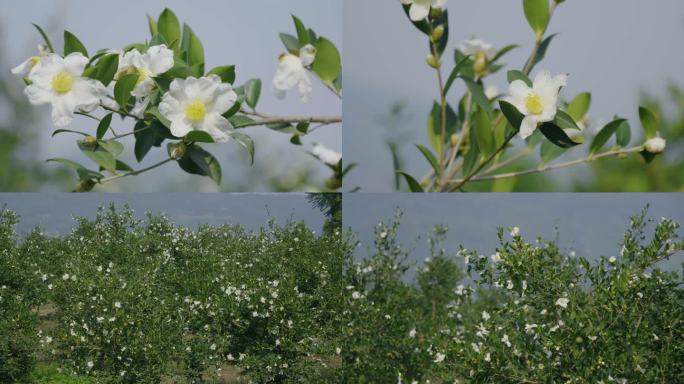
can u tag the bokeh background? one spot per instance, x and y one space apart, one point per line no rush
239 32
590 224
623 51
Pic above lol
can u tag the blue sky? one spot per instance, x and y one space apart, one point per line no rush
590 224
613 48
54 212
240 32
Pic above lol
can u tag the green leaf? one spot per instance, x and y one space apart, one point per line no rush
152 23
484 133
422 25
549 152
147 137
565 121
194 51
537 14
441 44
541 52
57 132
290 42
106 69
199 137
296 139
111 146
303 128
121 166
624 134
241 121
245 142
434 127
472 157
83 172
169 27
46 39
557 135
649 122
455 72
512 114
200 162
328 63
283 128
226 73
233 110
73 44
252 92
478 94
604 135
430 158
123 88
502 52
518 75
154 111
99 155
302 33
579 106
104 125
414 185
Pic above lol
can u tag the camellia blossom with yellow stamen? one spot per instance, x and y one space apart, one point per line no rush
420 9
194 104
28 66
538 103
157 60
480 51
292 72
59 81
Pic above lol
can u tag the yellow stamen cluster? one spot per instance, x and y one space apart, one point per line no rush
534 104
63 82
196 111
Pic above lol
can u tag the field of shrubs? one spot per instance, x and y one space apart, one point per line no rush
121 300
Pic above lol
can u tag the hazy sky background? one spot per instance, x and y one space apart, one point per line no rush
240 32
591 224
613 48
54 212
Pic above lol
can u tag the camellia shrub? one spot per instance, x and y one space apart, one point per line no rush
146 301
530 313
473 137
164 88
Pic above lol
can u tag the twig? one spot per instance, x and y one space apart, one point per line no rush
324 120
134 173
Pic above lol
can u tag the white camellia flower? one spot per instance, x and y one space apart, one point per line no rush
539 104
420 9
28 66
197 105
563 302
480 51
326 155
655 145
59 81
292 72
157 60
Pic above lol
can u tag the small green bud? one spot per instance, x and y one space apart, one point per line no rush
90 141
437 33
453 139
480 63
333 183
435 13
178 150
85 186
432 61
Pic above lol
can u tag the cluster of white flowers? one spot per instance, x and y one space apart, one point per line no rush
292 72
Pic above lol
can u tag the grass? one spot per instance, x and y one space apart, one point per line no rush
45 373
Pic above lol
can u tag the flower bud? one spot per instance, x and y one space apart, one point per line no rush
655 145
84 186
435 13
90 141
177 150
453 139
480 63
432 61
437 33
333 183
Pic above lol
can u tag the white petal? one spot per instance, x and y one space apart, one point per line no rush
38 95
307 54
63 108
75 63
144 88
180 127
170 106
161 59
439 3
224 99
419 12
305 88
519 91
87 94
140 107
217 126
23 68
528 126
202 88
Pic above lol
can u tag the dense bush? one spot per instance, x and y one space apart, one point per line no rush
144 301
531 313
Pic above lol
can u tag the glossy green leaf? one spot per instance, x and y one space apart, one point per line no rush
511 114
472 157
484 133
204 163
245 142
73 44
226 73
104 125
241 121
194 49
328 63
302 33
541 52
303 128
434 127
478 94
169 27
565 121
624 134
413 184
503 51
58 131
106 69
455 72
579 106
557 135
537 14
549 152
514 75
99 155
252 92
649 122
199 137
604 135
152 23
46 39
290 42
422 25
111 146
123 88
430 157
83 172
